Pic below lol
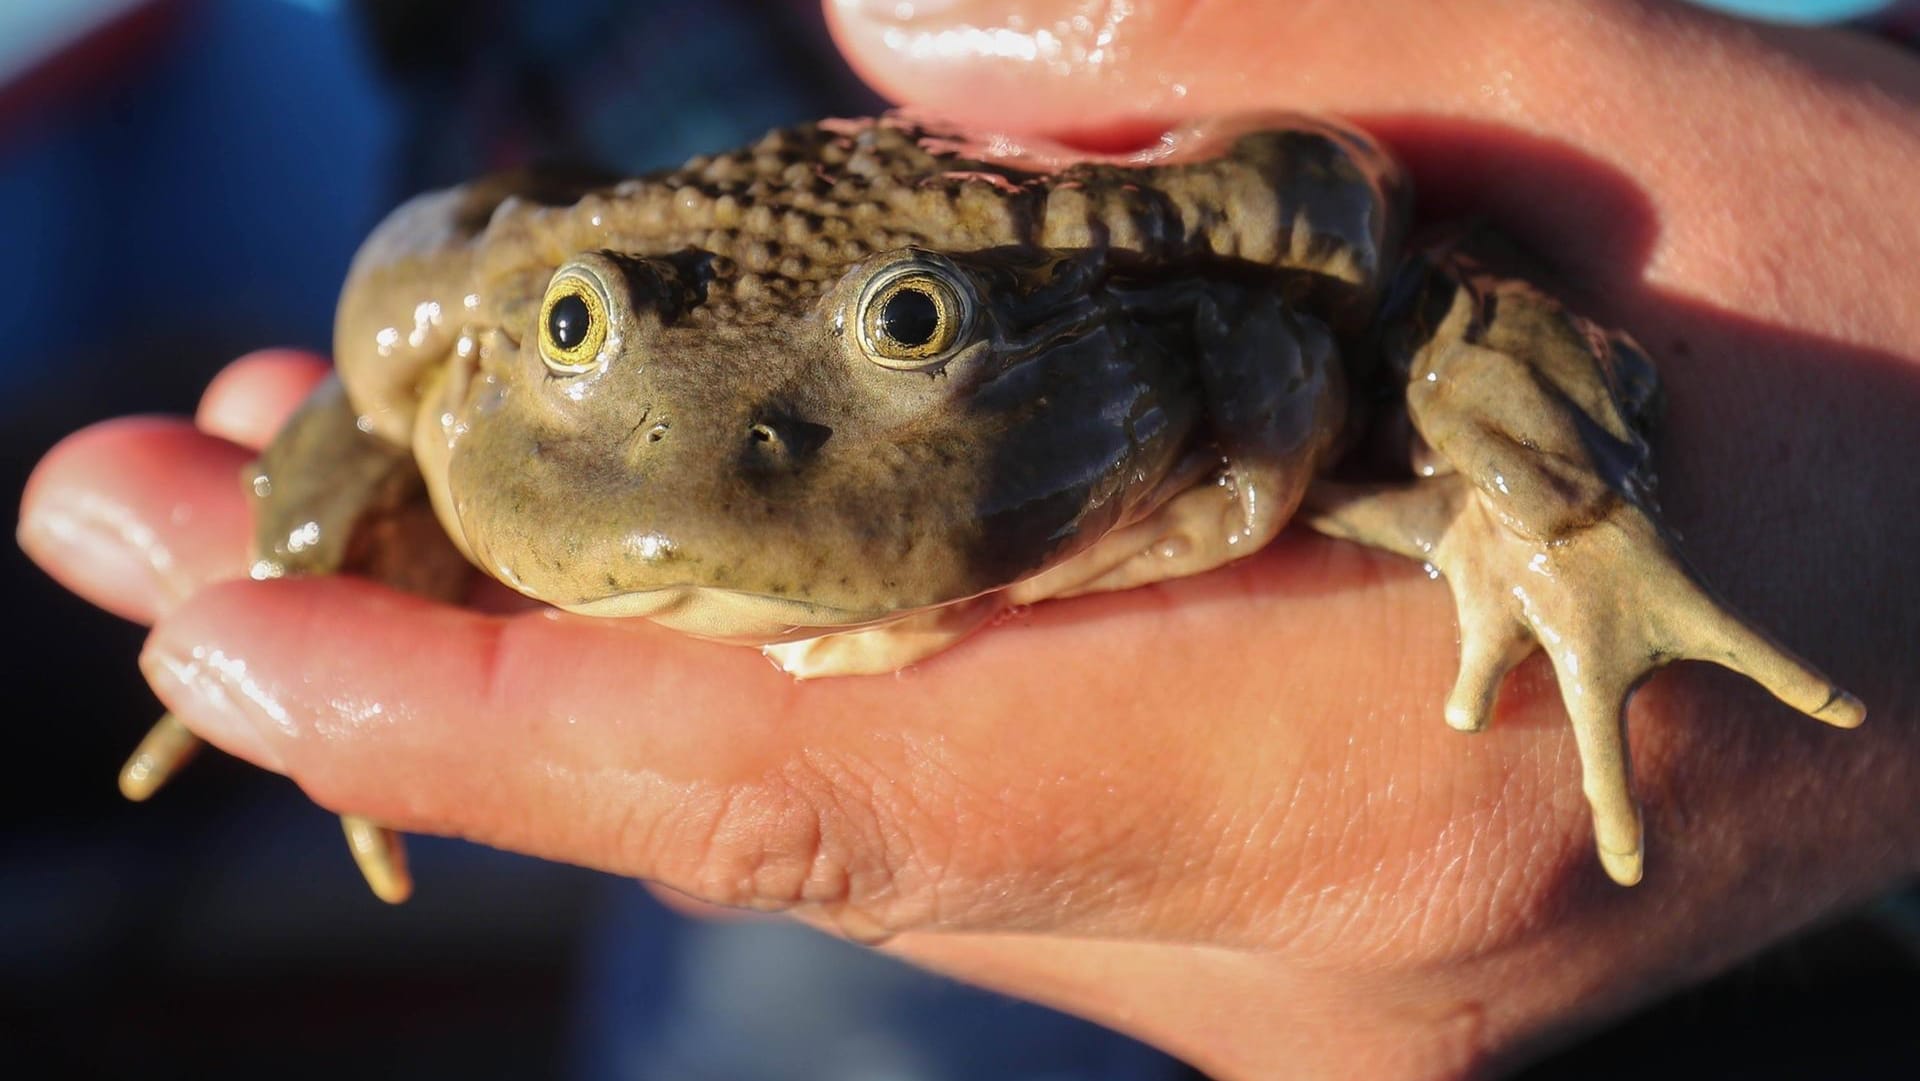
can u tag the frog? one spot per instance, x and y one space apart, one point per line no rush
851 392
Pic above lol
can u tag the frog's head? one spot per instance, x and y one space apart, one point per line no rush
745 455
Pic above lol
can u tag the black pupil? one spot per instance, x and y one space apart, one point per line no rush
567 322
910 317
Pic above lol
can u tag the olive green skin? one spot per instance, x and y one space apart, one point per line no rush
735 440
1157 363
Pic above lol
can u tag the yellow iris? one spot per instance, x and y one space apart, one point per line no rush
915 316
573 325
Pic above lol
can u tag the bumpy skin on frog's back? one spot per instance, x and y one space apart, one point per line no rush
684 397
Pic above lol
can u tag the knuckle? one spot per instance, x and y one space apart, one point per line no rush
903 838
830 836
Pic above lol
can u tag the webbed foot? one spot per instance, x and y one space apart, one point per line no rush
1537 507
1609 604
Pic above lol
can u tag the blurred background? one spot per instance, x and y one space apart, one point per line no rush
182 181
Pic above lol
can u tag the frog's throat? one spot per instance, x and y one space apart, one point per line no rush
728 615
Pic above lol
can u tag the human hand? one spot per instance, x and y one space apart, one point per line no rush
1222 814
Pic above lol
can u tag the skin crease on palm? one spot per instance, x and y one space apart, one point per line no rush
1223 813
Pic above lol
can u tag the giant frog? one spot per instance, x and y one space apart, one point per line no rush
845 394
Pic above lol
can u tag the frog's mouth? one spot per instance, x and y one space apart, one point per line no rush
730 615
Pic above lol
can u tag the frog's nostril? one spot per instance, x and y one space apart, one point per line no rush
640 442
785 438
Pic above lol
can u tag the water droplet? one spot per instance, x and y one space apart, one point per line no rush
303 538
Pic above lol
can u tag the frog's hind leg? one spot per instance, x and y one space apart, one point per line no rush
1539 513
328 498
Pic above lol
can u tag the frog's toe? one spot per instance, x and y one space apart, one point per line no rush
381 855
1490 645
1608 601
1623 867
1406 519
1412 520
167 747
1596 705
379 852
1701 629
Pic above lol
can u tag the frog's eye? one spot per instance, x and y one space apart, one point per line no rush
573 324
913 316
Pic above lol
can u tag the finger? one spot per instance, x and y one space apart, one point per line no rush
251 398
1455 86
1054 66
616 745
694 908
1491 104
136 514
1025 780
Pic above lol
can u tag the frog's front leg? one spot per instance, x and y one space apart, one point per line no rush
1538 510
1275 396
328 497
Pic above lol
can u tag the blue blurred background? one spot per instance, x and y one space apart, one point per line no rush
182 181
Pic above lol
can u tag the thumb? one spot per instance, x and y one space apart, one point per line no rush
1068 64
1615 134
1461 89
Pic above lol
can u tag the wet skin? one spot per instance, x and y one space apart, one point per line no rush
846 393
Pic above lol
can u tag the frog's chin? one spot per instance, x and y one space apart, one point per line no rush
727 615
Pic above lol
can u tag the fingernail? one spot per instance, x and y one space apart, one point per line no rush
101 547
222 702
